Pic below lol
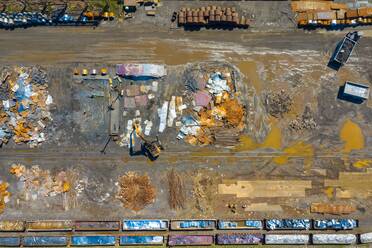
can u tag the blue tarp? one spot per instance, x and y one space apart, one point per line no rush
45 241
92 240
127 240
197 224
10 241
145 224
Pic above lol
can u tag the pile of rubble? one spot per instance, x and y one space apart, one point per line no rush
35 182
25 104
135 191
305 121
216 110
278 103
4 195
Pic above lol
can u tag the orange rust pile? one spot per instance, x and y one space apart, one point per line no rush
4 195
136 191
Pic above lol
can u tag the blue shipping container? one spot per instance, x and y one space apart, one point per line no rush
141 240
145 224
92 240
10 241
45 241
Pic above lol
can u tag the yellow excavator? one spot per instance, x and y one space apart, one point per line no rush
152 149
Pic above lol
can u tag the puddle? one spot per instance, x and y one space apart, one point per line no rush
250 70
299 149
362 163
329 191
273 140
352 136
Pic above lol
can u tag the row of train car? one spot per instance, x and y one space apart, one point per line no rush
179 225
185 240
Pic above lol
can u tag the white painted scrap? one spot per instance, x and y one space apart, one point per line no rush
162 112
366 238
49 100
172 111
148 127
154 86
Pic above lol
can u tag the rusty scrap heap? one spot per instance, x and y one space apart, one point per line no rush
35 182
218 115
135 191
4 195
212 16
24 102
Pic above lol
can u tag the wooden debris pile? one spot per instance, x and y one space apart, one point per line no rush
177 194
136 191
278 103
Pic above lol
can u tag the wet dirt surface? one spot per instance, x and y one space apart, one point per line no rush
293 61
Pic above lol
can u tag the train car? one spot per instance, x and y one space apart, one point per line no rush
46 241
12 226
190 240
366 238
145 225
49 226
346 47
193 224
333 239
97 225
141 240
288 224
10 241
335 224
93 240
287 239
239 239
239 224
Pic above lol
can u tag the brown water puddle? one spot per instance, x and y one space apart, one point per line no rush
273 140
298 149
249 69
352 136
362 163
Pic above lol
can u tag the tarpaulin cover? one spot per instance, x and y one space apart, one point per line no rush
92 240
10 241
145 224
45 241
141 70
127 240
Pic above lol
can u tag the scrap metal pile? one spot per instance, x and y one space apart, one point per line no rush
35 182
217 116
212 16
25 104
135 191
4 195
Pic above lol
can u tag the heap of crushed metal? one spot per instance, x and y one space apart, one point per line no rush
218 115
24 105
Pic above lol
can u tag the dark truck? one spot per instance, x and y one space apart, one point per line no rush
345 48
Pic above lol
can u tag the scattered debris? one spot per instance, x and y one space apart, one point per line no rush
135 191
25 104
4 195
202 192
305 121
177 194
327 208
35 182
278 103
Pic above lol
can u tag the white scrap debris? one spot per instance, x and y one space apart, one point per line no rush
154 86
150 96
182 107
172 111
138 113
162 112
148 127
216 84
49 100
190 126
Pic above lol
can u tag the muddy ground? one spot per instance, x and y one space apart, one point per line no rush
293 61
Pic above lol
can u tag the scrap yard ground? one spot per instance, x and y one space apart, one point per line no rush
317 151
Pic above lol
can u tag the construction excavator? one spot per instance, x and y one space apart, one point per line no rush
152 149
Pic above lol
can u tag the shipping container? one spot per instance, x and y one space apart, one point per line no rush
190 240
346 47
288 224
46 241
93 240
287 239
12 226
239 239
49 225
145 225
97 225
10 241
333 239
356 90
240 224
193 224
141 240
